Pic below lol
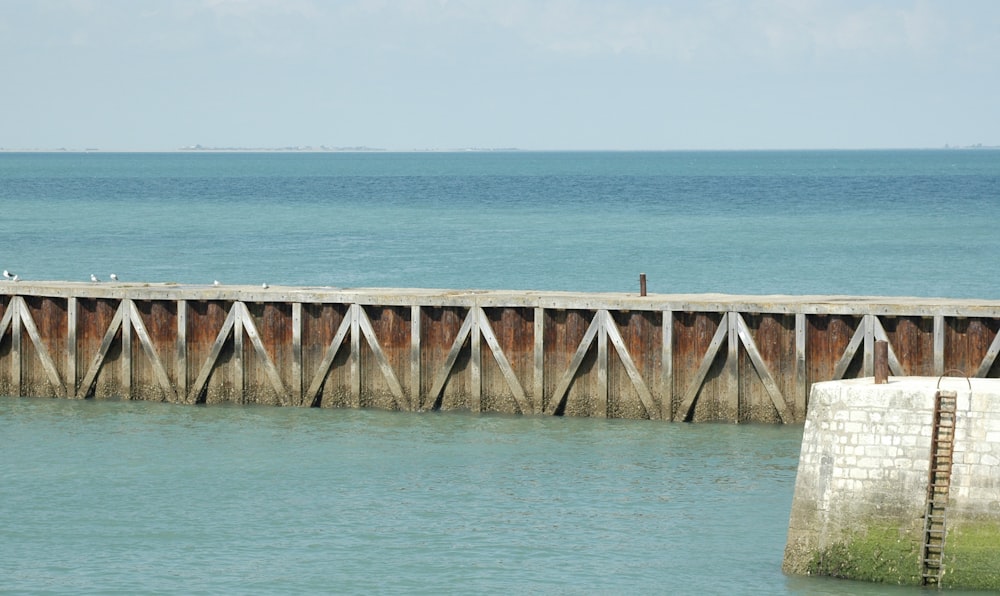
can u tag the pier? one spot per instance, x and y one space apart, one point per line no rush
705 357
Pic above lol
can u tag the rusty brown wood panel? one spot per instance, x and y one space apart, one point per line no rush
514 332
774 338
967 341
320 323
49 318
642 337
6 359
391 325
439 329
564 331
94 317
693 333
828 338
159 318
912 341
273 322
205 320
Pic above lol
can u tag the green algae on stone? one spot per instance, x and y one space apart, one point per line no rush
878 554
972 556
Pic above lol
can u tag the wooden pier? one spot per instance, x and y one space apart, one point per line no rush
669 357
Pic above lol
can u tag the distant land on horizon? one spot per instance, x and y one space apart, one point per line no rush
366 149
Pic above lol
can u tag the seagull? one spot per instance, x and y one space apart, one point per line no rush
264 285
215 283
8 274
114 277
93 277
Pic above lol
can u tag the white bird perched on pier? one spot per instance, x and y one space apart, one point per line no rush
93 277
216 283
8 274
114 277
264 285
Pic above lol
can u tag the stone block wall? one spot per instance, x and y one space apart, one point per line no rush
861 488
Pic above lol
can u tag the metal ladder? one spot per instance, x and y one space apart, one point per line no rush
942 449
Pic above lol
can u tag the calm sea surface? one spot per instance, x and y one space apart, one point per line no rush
123 497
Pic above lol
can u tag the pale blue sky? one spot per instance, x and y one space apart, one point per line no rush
533 74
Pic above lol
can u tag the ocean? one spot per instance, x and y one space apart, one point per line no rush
134 497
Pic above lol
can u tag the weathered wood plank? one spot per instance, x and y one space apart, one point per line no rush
501 359
456 347
206 368
95 365
989 358
939 331
684 412
395 387
415 377
316 385
71 347
602 365
355 355
645 396
135 321
296 380
181 373
476 362
667 367
731 378
879 334
801 374
51 371
559 395
539 377
126 363
777 398
258 345
852 348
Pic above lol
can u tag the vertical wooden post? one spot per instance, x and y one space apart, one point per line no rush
602 363
801 374
415 393
71 322
126 388
296 381
181 351
869 366
667 368
476 344
238 350
15 344
732 376
642 284
355 314
881 362
939 330
539 378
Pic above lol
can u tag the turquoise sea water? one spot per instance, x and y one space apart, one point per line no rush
844 222
124 497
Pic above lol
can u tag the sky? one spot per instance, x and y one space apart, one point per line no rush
407 75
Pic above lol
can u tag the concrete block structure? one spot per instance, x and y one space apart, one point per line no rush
882 495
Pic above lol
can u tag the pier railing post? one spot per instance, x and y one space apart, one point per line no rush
881 362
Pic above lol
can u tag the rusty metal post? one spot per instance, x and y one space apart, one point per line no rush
642 284
881 362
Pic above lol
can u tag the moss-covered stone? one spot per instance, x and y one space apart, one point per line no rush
891 555
972 556
879 554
